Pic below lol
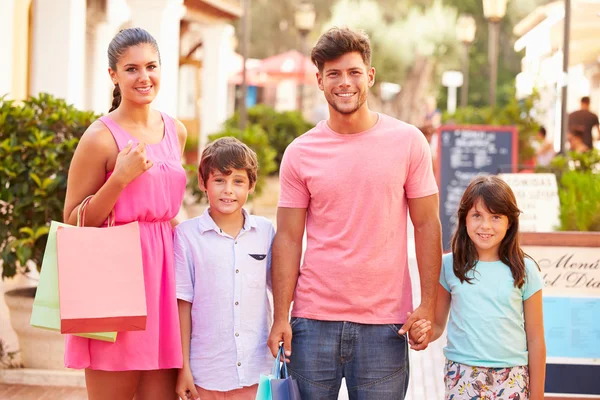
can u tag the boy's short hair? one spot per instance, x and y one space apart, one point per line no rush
585 100
339 41
226 154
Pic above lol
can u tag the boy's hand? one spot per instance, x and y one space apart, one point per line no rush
185 388
418 332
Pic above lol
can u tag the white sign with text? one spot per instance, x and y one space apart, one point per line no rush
571 302
537 197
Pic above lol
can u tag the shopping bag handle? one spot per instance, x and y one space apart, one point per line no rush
279 371
81 213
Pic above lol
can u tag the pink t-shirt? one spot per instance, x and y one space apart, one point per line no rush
355 189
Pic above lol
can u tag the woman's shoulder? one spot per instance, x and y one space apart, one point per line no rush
97 135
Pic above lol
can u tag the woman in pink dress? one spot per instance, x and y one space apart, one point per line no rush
130 160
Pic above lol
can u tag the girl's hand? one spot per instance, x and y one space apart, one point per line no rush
418 331
185 388
131 163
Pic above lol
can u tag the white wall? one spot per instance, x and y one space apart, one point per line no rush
6 45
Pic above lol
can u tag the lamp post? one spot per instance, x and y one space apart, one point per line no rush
465 33
305 21
564 126
245 50
494 11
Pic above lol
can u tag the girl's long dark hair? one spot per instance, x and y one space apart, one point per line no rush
498 198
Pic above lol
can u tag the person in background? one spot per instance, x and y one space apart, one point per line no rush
585 120
545 151
576 140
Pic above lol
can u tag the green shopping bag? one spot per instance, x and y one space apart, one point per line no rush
46 310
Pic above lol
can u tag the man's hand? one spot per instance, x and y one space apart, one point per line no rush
422 312
281 332
418 332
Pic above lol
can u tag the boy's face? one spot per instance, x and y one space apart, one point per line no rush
227 194
346 82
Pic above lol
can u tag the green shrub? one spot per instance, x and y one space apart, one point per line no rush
37 142
579 201
281 127
578 177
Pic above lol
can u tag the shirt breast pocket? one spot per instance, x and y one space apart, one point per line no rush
257 270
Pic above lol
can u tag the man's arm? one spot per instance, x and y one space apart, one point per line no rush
287 252
424 213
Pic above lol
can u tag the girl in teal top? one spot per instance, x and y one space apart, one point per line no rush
493 293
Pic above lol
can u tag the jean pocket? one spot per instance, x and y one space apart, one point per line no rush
396 328
294 321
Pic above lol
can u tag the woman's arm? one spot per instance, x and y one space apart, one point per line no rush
442 309
87 174
95 152
536 345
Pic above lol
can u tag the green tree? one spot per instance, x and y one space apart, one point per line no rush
412 43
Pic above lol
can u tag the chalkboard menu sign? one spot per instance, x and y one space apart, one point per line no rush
465 152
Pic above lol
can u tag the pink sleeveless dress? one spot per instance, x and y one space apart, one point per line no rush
153 199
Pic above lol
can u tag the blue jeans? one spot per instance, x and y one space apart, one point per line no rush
372 358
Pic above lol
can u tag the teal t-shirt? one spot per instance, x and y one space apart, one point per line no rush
486 327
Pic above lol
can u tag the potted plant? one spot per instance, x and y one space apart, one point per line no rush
37 141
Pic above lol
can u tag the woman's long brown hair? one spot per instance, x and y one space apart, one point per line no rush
498 198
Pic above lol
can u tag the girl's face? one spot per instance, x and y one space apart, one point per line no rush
486 230
138 74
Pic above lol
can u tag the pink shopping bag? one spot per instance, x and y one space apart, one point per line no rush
100 277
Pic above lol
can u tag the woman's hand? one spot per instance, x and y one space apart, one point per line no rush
131 163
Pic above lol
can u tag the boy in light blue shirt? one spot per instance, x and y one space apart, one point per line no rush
222 264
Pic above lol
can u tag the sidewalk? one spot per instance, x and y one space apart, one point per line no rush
20 392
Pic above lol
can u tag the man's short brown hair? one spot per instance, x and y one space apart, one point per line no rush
226 154
339 41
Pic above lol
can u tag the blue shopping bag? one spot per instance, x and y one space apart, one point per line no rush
278 385
284 387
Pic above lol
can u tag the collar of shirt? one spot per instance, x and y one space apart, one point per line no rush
206 223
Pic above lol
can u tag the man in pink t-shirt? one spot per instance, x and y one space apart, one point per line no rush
350 181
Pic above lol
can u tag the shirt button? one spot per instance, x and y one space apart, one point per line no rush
237 303
237 334
235 242
239 364
237 271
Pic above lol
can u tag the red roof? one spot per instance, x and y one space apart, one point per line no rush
289 65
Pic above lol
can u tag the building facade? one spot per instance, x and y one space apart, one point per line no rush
59 47
541 38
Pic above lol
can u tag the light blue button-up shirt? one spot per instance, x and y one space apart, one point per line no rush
227 280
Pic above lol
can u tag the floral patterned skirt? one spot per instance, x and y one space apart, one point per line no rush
482 383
